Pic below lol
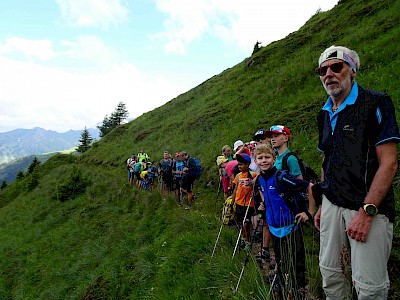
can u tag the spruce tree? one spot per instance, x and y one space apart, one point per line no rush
33 165
3 185
20 175
85 141
116 119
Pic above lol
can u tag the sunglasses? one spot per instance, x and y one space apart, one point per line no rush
335 68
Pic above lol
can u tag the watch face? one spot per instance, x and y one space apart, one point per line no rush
371 210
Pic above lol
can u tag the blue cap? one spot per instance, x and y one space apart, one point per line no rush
243 158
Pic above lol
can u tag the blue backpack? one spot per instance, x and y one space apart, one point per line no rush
281 205
179 165
197 170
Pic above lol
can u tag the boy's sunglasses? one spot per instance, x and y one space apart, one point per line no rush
335 68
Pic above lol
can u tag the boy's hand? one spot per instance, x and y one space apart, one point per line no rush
261 207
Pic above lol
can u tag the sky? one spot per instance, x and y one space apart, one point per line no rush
66 64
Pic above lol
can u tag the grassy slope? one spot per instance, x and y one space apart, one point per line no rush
113 242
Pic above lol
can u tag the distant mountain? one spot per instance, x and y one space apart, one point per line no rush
9 171
24 142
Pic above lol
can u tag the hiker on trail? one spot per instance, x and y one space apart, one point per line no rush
138 167
142 155
129 165
188 179
284 217
260 137
151 174
238 148
280 136
226 151
253 166
358 133
224 178
177 171
243 196
165 172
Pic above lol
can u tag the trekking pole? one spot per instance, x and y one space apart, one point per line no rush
241 228
220 230
240 231
219 188
246 260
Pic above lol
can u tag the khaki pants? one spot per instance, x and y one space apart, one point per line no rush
368 259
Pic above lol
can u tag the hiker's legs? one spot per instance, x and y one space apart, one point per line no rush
369 259
267 236
333 240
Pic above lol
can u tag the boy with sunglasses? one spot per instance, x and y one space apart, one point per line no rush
358 133
280 136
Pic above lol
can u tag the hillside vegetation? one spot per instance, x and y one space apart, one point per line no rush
83 233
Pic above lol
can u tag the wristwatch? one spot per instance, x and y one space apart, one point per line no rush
370 209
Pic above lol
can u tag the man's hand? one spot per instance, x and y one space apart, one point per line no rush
359 227
302 217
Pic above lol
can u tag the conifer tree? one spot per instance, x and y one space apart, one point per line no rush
85 141
3 185
33 165
116 119
119 114
20 175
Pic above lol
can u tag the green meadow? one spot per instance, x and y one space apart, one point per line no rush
75 228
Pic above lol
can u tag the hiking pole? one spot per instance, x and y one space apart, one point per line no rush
246 260
219 188
220 230
244 219
240 231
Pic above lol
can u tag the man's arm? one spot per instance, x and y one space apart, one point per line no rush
387 157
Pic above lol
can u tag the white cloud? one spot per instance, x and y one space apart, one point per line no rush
40 49
92 13
236 22
58 100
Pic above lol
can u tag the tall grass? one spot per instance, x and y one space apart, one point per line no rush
112 241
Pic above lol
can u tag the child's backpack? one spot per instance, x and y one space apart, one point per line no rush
281 204
138 167
197 170
228 211
308 173
296 201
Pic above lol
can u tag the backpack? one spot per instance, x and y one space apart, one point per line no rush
197 170
228 212
281 204
179 165
308 173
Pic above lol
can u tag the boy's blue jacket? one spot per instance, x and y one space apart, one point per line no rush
282 199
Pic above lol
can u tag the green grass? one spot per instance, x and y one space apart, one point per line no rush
115 242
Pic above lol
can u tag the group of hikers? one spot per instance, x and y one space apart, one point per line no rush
274 192
351 203
174 174
264 190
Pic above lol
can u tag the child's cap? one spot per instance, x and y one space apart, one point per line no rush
279 129
221 159
243 158
237 144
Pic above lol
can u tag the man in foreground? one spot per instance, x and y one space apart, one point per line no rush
358 133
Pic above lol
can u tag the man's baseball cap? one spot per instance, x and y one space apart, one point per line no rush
243 158
259 133
237 144
278 129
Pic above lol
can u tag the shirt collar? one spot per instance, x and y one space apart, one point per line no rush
350 100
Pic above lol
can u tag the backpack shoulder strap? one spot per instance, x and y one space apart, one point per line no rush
285 160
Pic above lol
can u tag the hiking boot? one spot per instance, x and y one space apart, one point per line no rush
187 207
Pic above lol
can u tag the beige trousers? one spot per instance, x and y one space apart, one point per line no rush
368 267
